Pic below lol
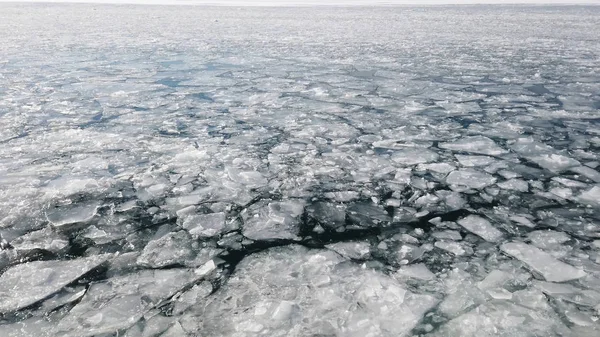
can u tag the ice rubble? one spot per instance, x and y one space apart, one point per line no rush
413 177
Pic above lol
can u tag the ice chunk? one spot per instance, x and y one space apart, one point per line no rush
352 250
554 162
173 248
67 216
480 226
365 214
543 263
273 220
514 185
474 144
591 196
204 225
447 235
443 168
328 215
522 221
587 172
415 271
44 239
471 161
451 246
414 156
470 178
548 239
34 281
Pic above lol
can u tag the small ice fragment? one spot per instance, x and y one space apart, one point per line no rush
470 178
451 247
351 250
474 144
481 227
514 185
416 271
522 221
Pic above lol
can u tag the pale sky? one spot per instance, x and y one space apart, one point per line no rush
321 2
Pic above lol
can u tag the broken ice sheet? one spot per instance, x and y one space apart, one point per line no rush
541 262
292 290
120 302
34 281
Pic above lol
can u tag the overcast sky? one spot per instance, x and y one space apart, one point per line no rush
320 2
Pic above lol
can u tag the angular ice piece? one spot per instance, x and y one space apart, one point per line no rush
44 239
28 283
554 162
587 172
514 185
328 215
275 220
366 214
352 250
474 144
173 248
447 235
548 239
251 179
414 156
470 178
481 227
417 271
591 196
443 168
543 263
495 279
65 217
204 225
522 221
451 246
561 192
471 161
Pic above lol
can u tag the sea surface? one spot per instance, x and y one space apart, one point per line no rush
299 171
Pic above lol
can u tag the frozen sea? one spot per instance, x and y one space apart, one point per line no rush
334 171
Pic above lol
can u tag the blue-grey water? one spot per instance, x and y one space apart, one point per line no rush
358 171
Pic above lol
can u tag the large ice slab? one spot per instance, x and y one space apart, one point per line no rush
293 291
28 283
543 263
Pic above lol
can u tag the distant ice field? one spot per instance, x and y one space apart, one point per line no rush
336 171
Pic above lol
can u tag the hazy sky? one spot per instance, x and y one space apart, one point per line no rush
320 2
